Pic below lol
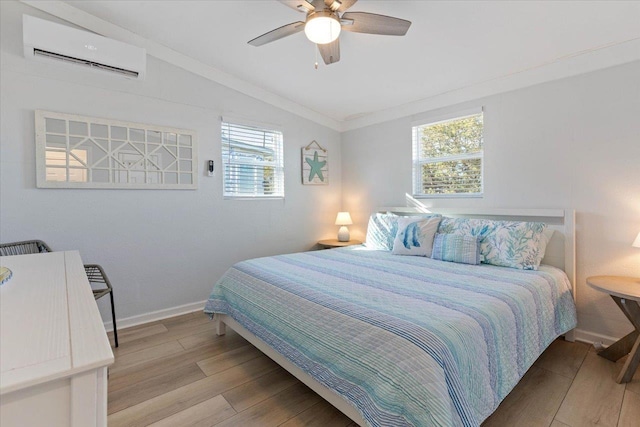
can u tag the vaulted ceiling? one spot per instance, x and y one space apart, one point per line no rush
452 46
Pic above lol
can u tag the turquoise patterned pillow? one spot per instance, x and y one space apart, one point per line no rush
505 243
415 236
456 248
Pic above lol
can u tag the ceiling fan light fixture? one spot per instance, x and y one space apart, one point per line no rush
322 27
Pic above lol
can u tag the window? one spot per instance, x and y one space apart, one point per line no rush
447 157
253 161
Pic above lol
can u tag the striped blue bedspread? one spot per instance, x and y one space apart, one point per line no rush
406 340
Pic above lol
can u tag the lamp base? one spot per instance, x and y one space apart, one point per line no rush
343 234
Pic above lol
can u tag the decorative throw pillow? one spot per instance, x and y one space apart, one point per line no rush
383 227
456 248
415 236
466 226
505 243
514 245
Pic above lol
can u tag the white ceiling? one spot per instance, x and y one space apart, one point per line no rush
451 45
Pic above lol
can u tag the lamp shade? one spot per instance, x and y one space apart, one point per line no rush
343 218
636 243
322 27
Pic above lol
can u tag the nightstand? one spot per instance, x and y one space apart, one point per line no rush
625 291
335 243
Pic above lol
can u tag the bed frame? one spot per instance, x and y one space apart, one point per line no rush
560 253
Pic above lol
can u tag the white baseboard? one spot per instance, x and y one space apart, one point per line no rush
592 337
156 315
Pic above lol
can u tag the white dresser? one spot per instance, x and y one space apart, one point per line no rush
54 351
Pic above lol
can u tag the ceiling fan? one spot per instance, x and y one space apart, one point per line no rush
325 19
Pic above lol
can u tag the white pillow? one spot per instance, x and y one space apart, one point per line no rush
547 234
415 236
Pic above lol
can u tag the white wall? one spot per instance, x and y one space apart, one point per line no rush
572 143
160 248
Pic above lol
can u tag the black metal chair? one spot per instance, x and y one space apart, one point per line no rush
23 248
95 273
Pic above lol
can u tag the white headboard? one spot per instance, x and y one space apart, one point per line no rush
561 250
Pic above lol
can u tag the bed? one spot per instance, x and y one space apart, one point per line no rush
401 340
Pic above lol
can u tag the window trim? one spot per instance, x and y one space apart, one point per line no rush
267 127
417 162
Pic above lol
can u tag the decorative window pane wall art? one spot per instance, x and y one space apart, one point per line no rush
315 164
75 151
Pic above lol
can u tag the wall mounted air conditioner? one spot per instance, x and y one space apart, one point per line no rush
46 40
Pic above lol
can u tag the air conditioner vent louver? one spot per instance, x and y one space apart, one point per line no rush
46 41
87 63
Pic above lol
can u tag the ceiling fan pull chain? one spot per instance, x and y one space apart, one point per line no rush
316 51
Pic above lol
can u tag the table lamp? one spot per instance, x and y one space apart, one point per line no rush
343 219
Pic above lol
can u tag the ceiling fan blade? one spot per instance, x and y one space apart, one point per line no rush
339 5
299 5
375 24
278 33
330 52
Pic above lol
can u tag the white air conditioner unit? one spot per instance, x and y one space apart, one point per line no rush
46 40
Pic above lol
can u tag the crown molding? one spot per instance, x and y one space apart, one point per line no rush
92 23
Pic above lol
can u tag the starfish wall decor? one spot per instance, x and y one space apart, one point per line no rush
315 169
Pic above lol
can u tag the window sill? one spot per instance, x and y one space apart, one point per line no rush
253 198
449 196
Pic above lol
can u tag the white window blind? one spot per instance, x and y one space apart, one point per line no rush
253 161
447 157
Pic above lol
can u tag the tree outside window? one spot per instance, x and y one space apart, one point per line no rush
447 157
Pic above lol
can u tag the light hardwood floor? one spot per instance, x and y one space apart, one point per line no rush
177 372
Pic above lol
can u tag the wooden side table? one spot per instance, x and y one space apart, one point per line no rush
625 291
335 243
